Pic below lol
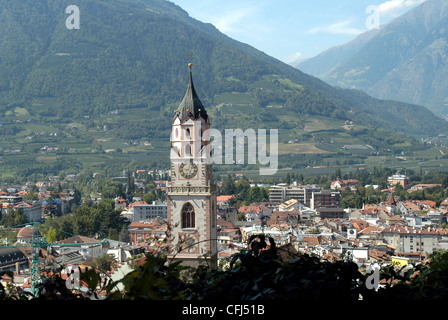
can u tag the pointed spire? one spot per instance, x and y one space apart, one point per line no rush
191 106
391 200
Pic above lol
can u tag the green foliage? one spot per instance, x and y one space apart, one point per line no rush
14 218
149 197
154 280
51 235
125 70
99 219
228 187
105 262
262 272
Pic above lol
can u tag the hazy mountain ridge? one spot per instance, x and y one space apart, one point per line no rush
405 60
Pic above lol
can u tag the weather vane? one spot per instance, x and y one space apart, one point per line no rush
190 64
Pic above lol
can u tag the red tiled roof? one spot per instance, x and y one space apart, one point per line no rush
391 200
23 205
245 209
221 222
360 224
141 202
428 203
225 197
77 239
370 230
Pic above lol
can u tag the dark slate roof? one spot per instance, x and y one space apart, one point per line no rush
11 255
191 106
72 257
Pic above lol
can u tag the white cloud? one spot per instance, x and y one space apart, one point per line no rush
294 57
231 22
393 7
240 20
342 27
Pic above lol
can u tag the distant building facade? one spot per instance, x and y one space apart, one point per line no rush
144 211
282 192
325 199
31 209
403 180
413 240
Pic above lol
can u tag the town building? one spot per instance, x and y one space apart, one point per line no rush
325 199
224 201
228 233
282 192
413 240
149 231
142 211
340 184
31 209
8 201
290 205
330 213
403 180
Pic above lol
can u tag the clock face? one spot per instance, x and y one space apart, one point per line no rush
188 170
189 243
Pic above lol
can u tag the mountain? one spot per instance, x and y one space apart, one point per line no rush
132 54
107 91
405 59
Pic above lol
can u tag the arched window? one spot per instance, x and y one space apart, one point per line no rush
188 218
188 150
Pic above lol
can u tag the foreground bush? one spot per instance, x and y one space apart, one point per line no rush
263 272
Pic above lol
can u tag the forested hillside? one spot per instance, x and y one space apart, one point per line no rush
112 85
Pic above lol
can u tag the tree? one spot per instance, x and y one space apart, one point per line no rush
32 195
263 271
125 235
51 235
254 194
288 179
149 197
113 234
106 217
105 262
14 218
228 186
84 222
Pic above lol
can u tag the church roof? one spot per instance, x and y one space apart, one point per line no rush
391 200
191 106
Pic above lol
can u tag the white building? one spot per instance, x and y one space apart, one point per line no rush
32 210
143 211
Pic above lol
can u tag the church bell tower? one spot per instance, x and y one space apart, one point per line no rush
191 196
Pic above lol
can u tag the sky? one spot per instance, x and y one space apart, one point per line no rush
295 29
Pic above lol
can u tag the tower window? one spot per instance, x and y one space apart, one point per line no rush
188 133
188 216
188 150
